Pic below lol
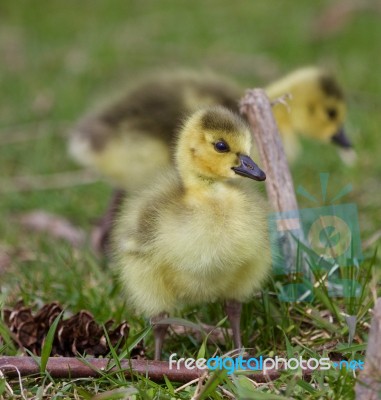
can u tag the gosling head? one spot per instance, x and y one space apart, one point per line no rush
319 108
214 144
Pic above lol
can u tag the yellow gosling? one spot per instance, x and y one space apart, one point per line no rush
199 233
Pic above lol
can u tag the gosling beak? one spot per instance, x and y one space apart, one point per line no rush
249 169
341 139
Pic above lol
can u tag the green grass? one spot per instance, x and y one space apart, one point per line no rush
61 58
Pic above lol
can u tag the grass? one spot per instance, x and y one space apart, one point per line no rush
59 59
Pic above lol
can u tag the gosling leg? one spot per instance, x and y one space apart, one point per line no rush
100 237
159 331
233 310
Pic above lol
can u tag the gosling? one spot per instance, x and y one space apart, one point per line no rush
198 235
315 109
140 127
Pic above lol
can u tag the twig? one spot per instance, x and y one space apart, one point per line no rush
227 393
368 386
14 368
284 100
7 386
69 367
198 391
215 334
179 389
44 182
280 188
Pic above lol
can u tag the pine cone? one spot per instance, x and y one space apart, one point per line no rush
78 335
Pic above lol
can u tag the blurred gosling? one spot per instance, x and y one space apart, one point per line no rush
130 139
316 109
198 234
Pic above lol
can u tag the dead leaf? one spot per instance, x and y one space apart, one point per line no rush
12 48
371 240
47 181
54 225
43 103
5 260
337 15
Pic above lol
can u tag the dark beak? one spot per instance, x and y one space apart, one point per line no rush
249 169
341 139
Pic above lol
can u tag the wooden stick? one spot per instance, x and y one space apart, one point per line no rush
69 367
256 107
280 188
368 386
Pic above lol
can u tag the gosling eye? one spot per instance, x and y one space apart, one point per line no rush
221 146
332 113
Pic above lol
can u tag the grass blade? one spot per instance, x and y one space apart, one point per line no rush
48 343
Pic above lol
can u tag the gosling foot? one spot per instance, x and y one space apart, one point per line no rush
233 310
159 331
